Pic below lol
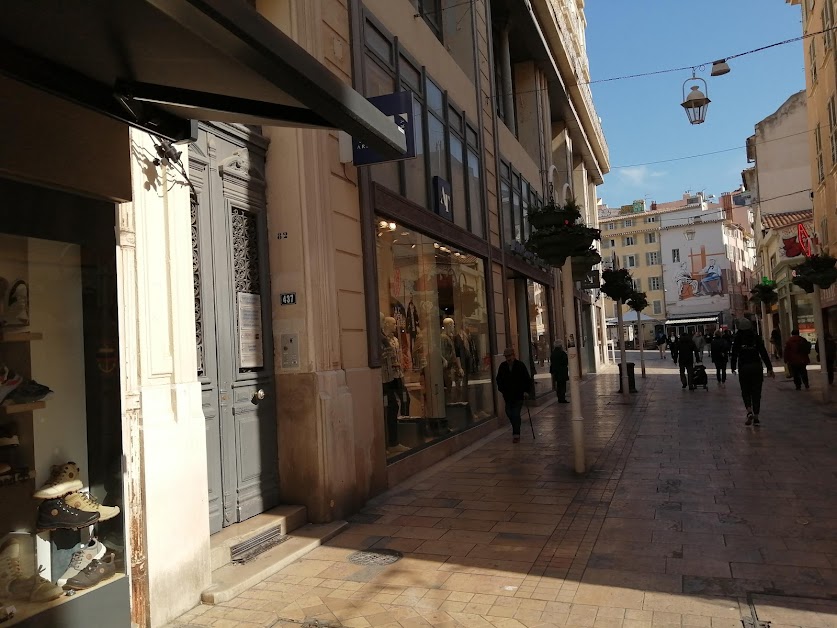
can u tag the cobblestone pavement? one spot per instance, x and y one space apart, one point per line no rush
687 518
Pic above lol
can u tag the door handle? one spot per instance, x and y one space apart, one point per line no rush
258 395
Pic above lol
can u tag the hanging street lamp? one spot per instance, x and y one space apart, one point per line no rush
720 67
696 102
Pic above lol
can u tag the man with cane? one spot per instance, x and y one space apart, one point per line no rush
514 382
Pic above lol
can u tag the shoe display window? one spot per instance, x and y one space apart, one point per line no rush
61 480
435 353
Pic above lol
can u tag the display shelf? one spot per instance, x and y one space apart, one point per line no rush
18 480
19 408
20 336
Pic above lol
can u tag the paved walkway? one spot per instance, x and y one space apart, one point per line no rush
687 518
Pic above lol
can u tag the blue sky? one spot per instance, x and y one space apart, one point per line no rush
642 117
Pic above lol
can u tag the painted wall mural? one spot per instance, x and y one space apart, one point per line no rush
697 282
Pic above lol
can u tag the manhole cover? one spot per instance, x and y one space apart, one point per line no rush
377 557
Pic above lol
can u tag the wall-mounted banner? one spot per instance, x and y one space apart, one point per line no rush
442 200
400 109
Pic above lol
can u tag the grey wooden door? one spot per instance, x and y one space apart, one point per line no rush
233 325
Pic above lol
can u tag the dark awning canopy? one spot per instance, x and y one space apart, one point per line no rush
159 64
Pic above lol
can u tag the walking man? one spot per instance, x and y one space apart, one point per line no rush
662 341
559 368
797 357
513 382
748 353
776 341
719 352
699 343
674 347
686 355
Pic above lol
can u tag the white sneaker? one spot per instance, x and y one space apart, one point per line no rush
82 557
64 479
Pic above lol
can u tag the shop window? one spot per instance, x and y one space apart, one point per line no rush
377 82
60 410
435 354
540 337
415 170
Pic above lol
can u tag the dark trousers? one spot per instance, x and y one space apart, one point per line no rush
686 374
561 389
800 375
396 399
513 409
721 371
751 380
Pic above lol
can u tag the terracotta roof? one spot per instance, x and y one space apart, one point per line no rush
786 219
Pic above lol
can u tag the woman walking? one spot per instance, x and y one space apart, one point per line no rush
719 353
748 353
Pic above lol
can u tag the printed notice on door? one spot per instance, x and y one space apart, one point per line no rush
250 340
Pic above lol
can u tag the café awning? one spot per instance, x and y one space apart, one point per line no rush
692 321
161 64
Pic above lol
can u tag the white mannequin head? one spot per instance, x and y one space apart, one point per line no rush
389 325
449 325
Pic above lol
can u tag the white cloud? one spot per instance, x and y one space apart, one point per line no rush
638 175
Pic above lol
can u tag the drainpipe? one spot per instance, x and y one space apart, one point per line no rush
508 94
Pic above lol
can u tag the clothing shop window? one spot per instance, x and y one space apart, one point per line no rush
435 353
540 336
62 523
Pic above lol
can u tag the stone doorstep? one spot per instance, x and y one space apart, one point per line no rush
231 579
288 518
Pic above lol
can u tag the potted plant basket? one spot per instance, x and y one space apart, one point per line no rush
552 215
583 263
763 293
816 270
638 301
617 284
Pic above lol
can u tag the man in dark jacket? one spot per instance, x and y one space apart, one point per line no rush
797 355
686 355
513 382
748 354
719 352
559 368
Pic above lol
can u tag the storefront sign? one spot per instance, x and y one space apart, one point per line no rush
399 108
250 339
442 200
591 280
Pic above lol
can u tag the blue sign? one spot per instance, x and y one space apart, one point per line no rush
399 107
442 200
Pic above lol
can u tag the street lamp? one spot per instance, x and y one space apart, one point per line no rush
696 102
720 67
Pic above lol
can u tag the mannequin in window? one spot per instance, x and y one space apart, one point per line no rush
395 397
412 330
450 356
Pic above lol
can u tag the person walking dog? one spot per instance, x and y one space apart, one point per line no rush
559 368
514 383
748 354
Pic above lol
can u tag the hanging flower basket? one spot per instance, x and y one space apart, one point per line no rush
816 270
555 244
583 263
764 294
552 215
617 284
638 301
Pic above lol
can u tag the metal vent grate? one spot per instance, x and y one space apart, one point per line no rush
376 557
259 544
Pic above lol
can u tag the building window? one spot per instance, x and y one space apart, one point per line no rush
628 241
650 219
675 256
827 24
434 340
652 258
818 145
606 243
431 11
638 284
812 59
654 283
628 222
658 307
612 243
630 261
650 238
832 128
610 226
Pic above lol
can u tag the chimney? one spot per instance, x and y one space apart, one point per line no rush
726 203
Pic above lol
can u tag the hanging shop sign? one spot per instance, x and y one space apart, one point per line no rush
250 338
591 281
442 199
399 108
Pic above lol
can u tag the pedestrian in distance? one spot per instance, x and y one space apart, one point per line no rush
674 347
662 343
686 352
699 342
797 355
559 368
830 354
776 342
514 383
748 354
719 353
727 336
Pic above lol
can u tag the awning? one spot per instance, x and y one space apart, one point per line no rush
631 317
159 64
692 321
